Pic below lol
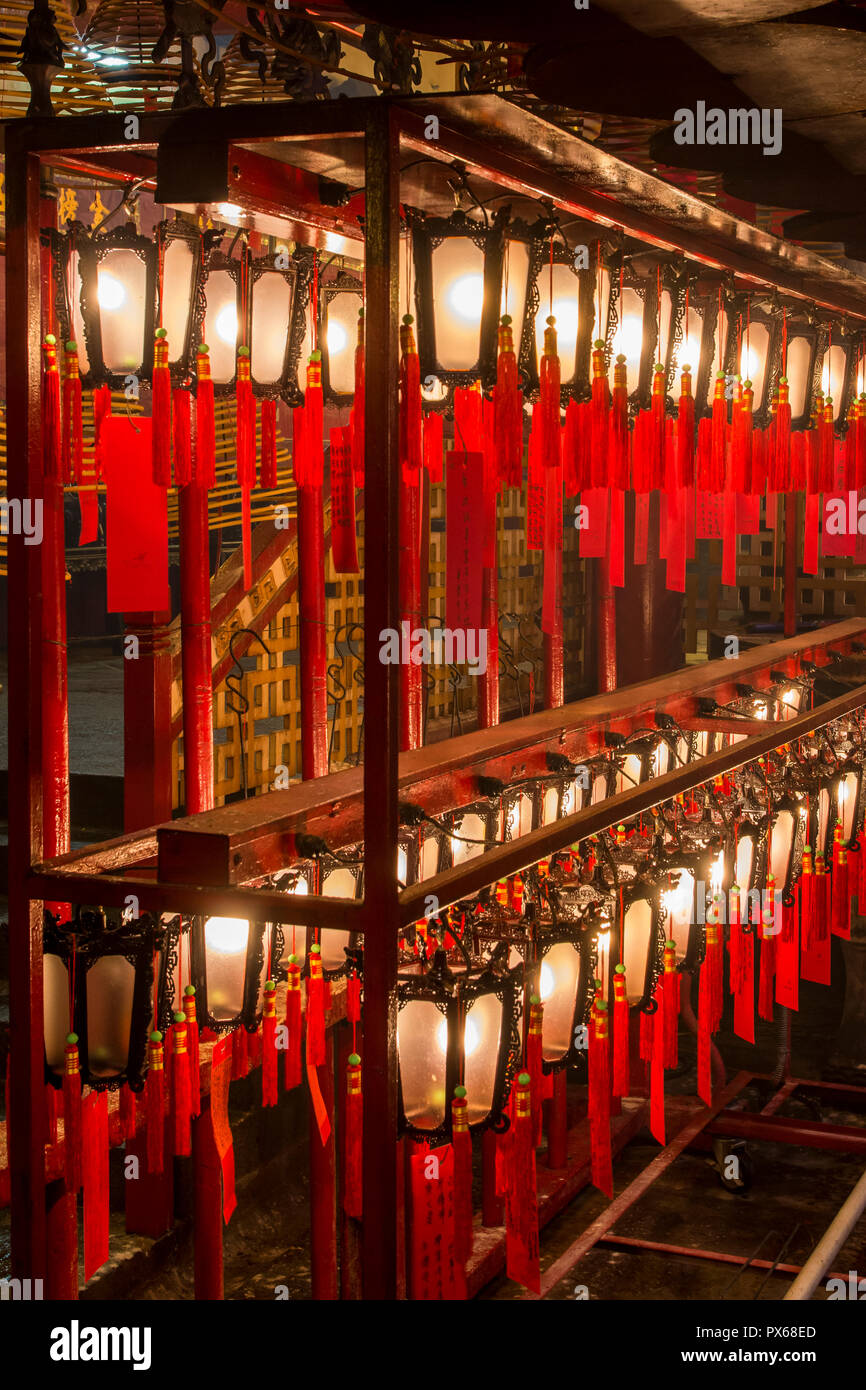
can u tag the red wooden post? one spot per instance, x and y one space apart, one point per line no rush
26 1117
411 677
147 722
312 641
149 1197
323 1190
488 683
349 1228
381 610
208 1207
790 583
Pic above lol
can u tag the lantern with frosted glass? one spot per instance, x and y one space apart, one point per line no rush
847 796
758 327
470 831
785 840
683 889
702 339
98 982
66 264
561 975
340 304
228 957
457 263
337 879
181 248
118 300
455 1027
278 297
222 320
636 941
640 334
558 283
835 373
802 367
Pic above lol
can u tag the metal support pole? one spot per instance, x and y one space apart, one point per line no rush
312 641
323 1191
26 1116
195 622
382 700
829 1245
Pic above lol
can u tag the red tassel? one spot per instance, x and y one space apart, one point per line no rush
767 975
657 1068
705 1072
52 1107
433 446
534 1062
599 1100
240 1053
621 1073
461 1142
268 468
671 1006
94 1167
294 1057
742 972
128 1113
825 429
205 428
353 1170
353 999
657 428
741 441
718 436
52 464
851 447
270 1087
686 432
308 456
192 1042
411 417
101 412
521 1200
507 409
181 432
358 409
245 422
861 441
840 909
645 1040
618 439
599 410
315 1010
161 412
715 961
181 1103
815 957
71 1114
155 1103
73 432
549 401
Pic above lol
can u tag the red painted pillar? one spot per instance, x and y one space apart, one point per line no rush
312 634
488 683
196 657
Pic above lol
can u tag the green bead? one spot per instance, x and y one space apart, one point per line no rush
71 1038
293 960
50 339
505 320
190 991
523 1079
243 352
619 970
534 999
620 357
162 333
601 1006
599 343
354 1060
203 349
316 355
315 950
156 1036
179 1017
71 345
270 986
459 1092
407 319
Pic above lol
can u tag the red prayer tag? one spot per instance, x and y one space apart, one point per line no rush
220 1078
435 1271
343 544
812 527
89 504
676 541
593 537
709 516
748 514
617 537
136 519
551 608
94 1173
464 500
534 497
641 527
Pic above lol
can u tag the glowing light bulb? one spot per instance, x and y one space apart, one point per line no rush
791 700
841 795
402 865
337 338
689 353
565 311
717 872
229 210
228 935
226 324
471 1036
825 376
546 982
750 363
628 338
678 901
109 291
301 887
760 711
466 297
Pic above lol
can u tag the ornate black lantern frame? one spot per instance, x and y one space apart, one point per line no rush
641 890
646 288
427 234
695 862
62 245
253 965
706 303
851 767
237 267
452 993
487 812
345 284
298 273
576 383
741 314
547 938
814 334
181 364
92 250
798 841
92 938
852 344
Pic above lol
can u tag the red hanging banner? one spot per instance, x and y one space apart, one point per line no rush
551 610
220 1078
812 529
94 1172
641 527
617 537
136 520
464 500
434 1271
343 545
593 535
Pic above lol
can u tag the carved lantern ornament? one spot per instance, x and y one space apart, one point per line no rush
456 1027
